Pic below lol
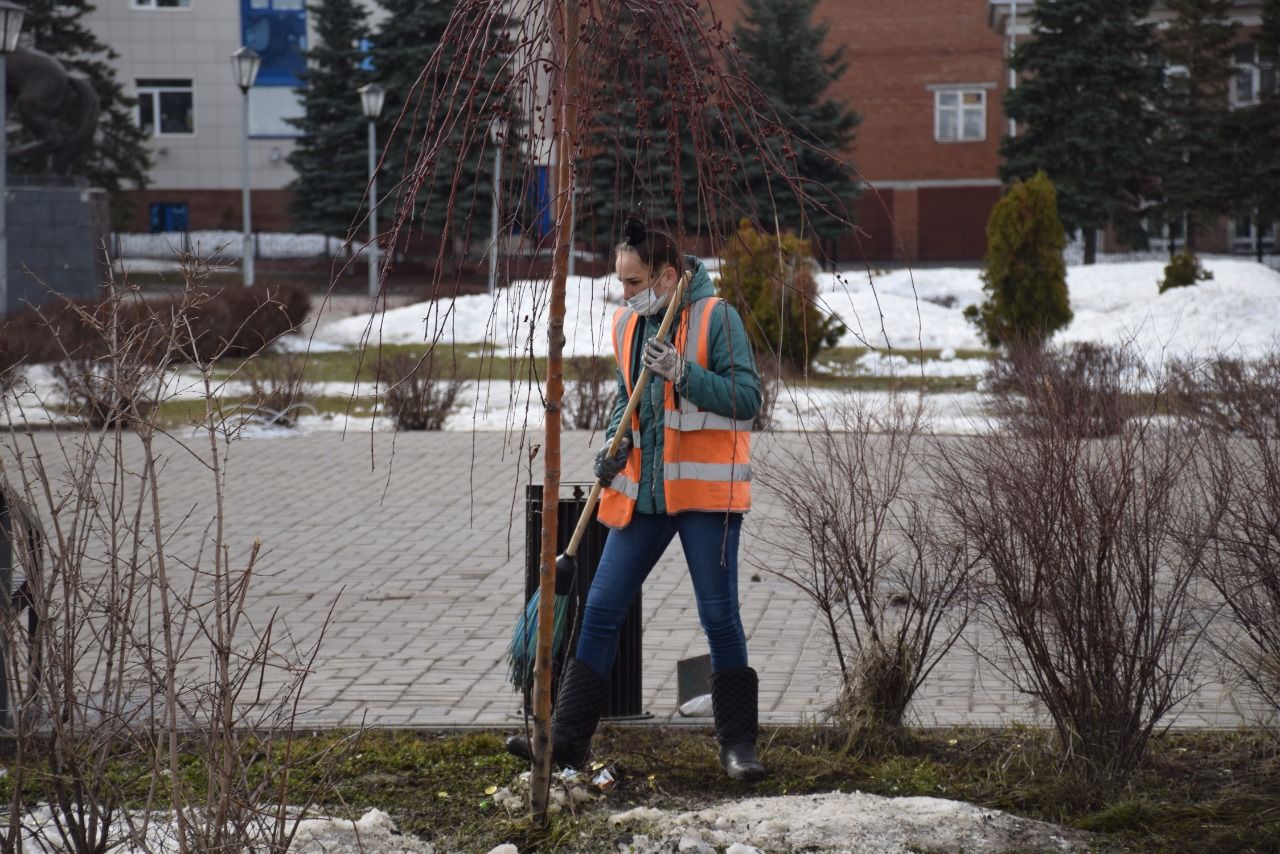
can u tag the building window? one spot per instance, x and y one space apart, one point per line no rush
1162 235
161 4
1254 79
168 216
960 115
1244 235
166 107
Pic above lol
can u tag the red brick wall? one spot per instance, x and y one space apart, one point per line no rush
874 241
894 51
953 221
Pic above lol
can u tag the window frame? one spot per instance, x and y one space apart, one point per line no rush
1245 245
1256 70
960 109
153 92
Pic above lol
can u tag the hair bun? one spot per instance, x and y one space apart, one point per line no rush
634 230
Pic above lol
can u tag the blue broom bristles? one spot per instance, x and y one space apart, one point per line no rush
523 649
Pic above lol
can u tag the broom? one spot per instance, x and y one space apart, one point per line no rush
524 638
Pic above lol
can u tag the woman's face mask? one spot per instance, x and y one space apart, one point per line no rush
648 302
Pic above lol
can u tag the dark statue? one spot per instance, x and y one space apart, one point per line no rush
59 110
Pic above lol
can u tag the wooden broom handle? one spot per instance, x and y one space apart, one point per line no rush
633 403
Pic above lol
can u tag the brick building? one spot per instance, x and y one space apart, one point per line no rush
1253 78
927 78
926 75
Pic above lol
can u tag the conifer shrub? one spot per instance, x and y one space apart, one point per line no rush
1183 270
1026 276
770 280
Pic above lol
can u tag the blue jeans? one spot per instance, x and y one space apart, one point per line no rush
710 542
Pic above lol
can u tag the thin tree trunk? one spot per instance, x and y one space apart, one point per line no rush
564 86
1090 245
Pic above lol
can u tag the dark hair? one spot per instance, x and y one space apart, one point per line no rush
655 248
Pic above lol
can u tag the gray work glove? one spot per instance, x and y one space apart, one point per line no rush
663 359
606 468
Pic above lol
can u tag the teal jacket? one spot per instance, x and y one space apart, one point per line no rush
729 387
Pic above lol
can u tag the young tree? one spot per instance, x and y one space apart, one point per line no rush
1085 110
1191 152
1026 277
459 192
117 158
783 54
331 156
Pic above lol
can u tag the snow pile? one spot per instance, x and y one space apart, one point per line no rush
902 309
374 831
514 320
840 821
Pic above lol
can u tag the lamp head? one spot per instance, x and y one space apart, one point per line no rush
11 15
371 97
245 63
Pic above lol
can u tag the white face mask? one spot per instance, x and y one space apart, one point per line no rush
647 302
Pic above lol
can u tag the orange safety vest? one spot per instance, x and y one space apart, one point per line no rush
706 457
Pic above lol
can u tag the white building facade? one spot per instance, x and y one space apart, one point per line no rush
175 58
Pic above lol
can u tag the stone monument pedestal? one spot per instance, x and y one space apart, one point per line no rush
57 228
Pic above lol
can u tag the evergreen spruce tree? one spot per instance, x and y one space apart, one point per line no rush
1261 176
1085 110
783 52
331 157
1192 155
638 140
118 157
409 35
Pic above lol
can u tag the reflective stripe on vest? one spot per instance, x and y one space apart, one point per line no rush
625 485
618 499
706 457
719 472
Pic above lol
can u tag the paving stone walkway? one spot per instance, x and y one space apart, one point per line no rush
419 539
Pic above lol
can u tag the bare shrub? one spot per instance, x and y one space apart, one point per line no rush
128 650
1230 395
1084 386
1239 473
11 375
103 392
1086 566
232 322
590 397
861 542
416 397
278 389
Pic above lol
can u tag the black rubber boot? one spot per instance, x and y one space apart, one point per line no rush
735 696
578 707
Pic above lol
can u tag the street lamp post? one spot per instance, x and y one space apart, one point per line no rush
371 97
245 63
11 15
497 130
1013 45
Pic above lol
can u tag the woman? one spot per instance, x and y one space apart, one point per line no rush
683 469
